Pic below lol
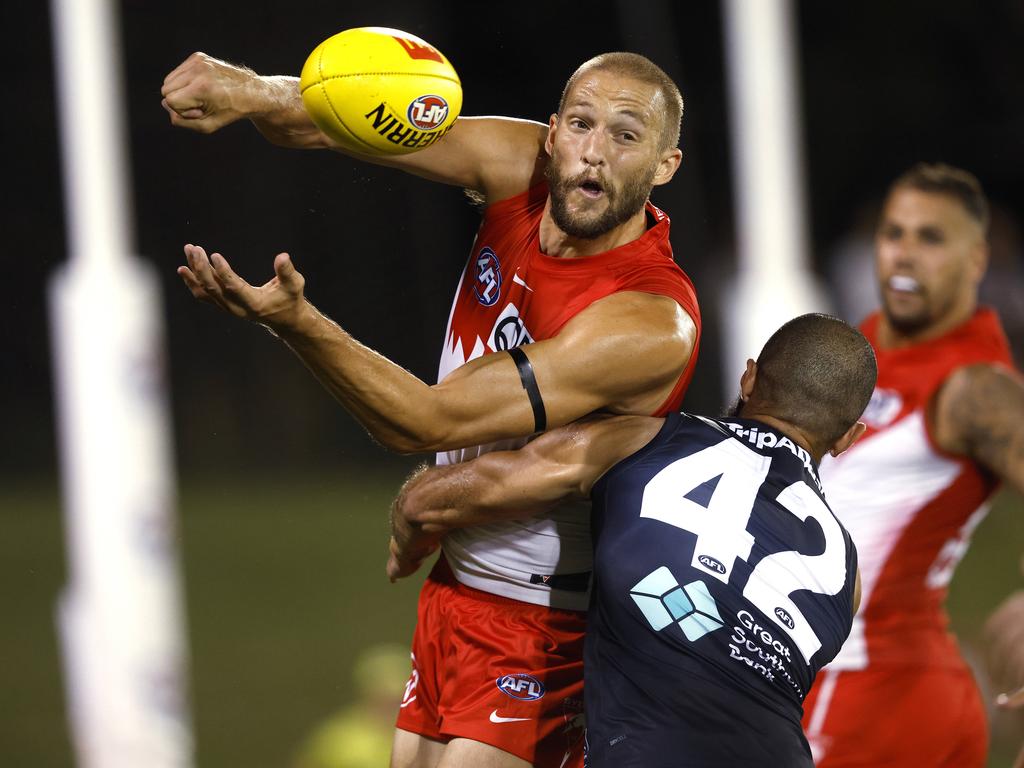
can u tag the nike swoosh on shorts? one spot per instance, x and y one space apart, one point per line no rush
496 718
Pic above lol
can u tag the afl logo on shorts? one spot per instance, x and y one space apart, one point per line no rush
427 112
520 686
487 288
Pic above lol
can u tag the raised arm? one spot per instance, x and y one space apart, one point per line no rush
497 156
561 464
979 412
623 354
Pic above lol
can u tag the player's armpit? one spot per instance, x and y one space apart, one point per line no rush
979 412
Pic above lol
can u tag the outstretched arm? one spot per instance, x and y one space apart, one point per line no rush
623 354
508 485
497 156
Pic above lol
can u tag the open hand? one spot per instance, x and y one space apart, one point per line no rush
278 303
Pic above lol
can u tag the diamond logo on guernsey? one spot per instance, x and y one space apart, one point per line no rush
520 686
663 601
488 277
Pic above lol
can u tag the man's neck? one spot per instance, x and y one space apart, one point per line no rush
791 431
555 242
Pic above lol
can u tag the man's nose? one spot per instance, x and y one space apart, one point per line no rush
594 149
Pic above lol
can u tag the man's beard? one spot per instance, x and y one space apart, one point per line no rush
908 326
912 324
622 204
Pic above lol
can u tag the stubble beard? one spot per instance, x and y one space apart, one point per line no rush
912 324
623 203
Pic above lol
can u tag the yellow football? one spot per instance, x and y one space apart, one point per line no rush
380 91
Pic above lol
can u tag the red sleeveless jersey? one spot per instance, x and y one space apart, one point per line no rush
910 507
511 294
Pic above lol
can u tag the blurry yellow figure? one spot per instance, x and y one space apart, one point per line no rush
360 735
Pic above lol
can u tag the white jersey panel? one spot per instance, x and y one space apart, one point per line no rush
876 513
514 559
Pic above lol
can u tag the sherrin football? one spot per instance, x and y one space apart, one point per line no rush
380 91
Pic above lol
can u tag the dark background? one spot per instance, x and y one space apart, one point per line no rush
882 84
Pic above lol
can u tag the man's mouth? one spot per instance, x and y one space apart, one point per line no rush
591 188
904 284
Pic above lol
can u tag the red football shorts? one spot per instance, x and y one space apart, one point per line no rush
498 671
896 717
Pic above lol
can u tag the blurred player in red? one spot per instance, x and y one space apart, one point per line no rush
570 303
945 425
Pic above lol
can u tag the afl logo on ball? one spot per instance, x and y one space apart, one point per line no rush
428 112
487 288
521 686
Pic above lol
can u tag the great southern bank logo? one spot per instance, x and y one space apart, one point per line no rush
662 602
520 686
487 288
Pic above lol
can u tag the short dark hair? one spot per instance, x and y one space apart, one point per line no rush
817 373
646 71
942 179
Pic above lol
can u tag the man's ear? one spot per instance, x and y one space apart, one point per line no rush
552 130
849 438
747 380
979 261
669 163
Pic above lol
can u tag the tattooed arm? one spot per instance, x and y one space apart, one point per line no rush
979 412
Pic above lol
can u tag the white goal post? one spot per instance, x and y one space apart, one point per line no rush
120 617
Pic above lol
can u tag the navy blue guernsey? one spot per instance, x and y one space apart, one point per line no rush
722 584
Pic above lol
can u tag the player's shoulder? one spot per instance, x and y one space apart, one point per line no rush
637 309
971 400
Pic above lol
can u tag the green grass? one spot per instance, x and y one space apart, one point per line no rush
284 585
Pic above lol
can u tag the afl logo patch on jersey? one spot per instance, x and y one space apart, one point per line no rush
487 288
520 686
427 112
711 564
785 618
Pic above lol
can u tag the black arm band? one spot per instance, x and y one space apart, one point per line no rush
540 418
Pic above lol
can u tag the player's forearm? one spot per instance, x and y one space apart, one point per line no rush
274 105
396 408
507 485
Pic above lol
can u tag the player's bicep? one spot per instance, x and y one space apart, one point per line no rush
497 156
979 412
623 354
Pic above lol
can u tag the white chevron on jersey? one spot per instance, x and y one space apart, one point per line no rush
876 514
